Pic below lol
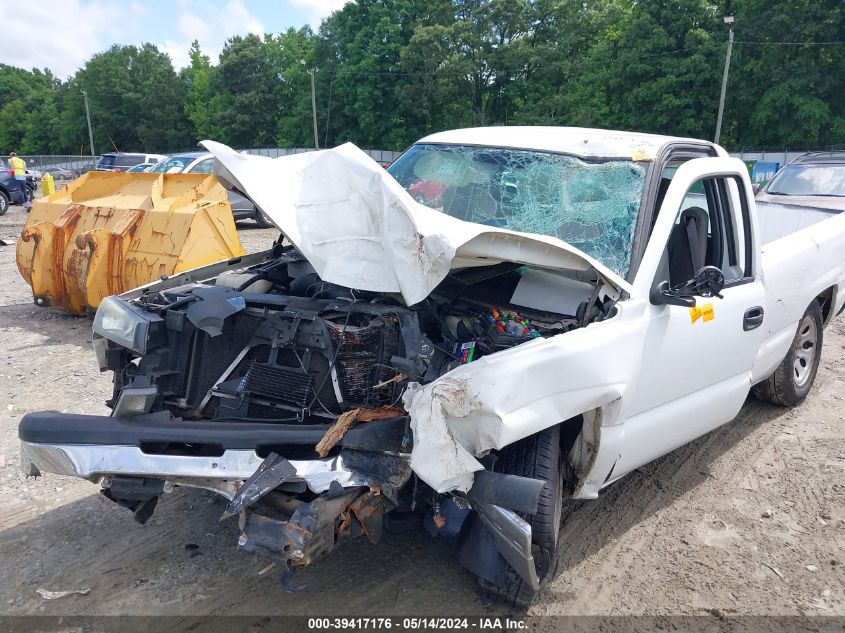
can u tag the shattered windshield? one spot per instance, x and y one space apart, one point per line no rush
592 204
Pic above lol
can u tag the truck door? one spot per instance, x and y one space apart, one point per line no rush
697 360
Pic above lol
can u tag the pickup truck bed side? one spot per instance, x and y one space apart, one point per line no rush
797 268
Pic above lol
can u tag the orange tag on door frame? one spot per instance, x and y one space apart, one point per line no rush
705 313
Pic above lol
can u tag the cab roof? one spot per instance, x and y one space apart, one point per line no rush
585 142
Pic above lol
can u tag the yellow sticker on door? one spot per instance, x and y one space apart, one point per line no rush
705 313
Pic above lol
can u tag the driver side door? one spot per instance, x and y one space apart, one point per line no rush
695 373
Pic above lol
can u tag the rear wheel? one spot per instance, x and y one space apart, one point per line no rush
794 377
4 202
538 456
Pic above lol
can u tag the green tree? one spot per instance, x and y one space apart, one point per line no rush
784 92
200 102
135 99
247 85
286 52
358 57
657 70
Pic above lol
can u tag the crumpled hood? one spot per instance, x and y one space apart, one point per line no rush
360 229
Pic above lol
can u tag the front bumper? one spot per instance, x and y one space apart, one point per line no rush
97 447
93 462
134 459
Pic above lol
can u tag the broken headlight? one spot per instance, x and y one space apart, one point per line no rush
126 325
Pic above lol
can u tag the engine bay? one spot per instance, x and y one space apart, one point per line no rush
275 343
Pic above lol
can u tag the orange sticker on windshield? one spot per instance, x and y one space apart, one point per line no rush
705 313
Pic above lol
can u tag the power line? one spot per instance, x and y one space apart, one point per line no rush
794 43
579 64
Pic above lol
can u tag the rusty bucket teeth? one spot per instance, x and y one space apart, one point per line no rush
107 232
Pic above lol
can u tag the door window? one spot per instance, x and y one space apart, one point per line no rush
709 232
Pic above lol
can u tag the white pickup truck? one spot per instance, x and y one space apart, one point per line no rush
509 318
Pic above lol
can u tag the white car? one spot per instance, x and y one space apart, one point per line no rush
203 163
577 303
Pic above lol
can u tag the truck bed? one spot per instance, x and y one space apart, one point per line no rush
778 220
803 257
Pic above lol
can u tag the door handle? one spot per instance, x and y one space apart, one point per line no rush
753 318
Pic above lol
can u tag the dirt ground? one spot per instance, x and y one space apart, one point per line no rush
749 519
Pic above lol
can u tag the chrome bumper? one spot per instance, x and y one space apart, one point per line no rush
93 462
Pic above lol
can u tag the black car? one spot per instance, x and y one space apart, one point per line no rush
121 161
10 192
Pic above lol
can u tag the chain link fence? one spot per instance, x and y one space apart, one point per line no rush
60 166
66 166
379 155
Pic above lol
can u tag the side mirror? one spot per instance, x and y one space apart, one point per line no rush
662 294
755 188
708 282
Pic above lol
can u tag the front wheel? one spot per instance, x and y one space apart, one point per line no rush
794 377
263 220
538 456
4 203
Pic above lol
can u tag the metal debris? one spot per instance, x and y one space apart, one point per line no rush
274 470
368 510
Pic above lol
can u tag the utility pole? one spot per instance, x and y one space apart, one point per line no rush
729 20
312 71
90 133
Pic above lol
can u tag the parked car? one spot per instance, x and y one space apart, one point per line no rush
203 163
59 173
816 179
31 182
140 168
84 169
10 192
581 303
121 161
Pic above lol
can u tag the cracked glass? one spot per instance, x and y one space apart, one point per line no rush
591 205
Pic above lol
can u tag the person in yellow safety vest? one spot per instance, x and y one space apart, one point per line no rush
19 166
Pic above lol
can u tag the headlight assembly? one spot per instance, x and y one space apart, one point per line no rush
126 325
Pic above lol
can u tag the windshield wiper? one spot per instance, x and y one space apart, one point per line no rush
826 195
777 193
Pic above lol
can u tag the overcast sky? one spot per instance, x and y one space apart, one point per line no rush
62 34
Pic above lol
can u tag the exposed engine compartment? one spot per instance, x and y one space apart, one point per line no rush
275 343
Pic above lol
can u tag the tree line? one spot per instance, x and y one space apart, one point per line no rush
390 71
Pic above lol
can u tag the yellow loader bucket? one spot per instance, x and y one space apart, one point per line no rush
108 232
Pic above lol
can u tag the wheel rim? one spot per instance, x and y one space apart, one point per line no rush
805 351
4 204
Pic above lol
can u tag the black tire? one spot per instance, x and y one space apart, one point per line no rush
4 202
538 456
794 377
30 194
262 220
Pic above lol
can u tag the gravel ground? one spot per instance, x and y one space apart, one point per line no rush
749 519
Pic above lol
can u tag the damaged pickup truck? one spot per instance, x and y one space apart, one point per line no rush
508 319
